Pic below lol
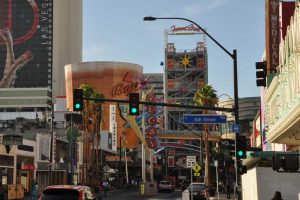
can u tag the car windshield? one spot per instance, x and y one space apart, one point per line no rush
60 194
197 187
165 182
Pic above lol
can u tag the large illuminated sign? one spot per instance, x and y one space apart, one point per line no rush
125 87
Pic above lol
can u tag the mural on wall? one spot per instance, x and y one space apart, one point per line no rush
26 43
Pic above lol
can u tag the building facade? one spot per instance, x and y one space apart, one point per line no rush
281 97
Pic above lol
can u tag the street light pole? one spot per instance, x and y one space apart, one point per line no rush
50 181
233 56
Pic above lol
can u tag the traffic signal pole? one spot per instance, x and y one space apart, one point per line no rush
162 104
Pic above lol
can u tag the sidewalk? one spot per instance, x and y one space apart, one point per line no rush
222 197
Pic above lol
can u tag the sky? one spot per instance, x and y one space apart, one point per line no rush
114 30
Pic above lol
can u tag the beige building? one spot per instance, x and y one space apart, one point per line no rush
67 40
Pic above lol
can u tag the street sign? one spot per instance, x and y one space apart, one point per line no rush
236 128
196 174
197 168
12 139
190 161
204 119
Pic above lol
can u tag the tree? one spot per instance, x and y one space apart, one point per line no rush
91 125
206 96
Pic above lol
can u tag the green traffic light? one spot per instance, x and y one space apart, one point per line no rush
77 105
240 153
133 110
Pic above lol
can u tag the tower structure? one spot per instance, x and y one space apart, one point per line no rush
185 72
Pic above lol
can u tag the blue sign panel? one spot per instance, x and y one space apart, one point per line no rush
204 119
236 128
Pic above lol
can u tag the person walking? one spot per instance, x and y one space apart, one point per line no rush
105 187
277 196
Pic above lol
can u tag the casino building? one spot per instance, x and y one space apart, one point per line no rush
44 35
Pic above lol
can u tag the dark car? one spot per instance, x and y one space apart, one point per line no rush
185 184
166 186
199 191
67 192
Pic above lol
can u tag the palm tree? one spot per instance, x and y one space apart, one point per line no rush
206 96
92 111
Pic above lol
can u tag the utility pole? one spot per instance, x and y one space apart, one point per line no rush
98 141
51 145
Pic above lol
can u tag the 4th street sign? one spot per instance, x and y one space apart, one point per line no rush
204 119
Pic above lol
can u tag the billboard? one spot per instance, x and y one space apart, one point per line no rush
26 43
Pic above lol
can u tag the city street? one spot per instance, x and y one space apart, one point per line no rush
134 195
176 195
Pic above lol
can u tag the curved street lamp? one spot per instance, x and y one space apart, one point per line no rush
233 56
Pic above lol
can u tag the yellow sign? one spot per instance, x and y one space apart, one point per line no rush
197 168
196 174
142 189
135 127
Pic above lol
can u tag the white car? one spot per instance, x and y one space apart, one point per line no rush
166 186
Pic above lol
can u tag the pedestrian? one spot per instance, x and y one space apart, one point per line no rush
228 190
277 196
105 187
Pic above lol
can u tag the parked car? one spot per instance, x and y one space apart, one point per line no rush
166 186
68 192
185 184
199 191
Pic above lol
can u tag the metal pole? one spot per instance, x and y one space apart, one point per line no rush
236 118
126 168
166 164
120 151
216 162
143 148
201 150
71 150
98 141
191 183
51 145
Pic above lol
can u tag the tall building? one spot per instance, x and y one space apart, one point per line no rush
185 72
40 37
37 39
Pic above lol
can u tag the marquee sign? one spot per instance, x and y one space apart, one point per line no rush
190 27
125 87
272 34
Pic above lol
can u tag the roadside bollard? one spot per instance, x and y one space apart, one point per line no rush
185 195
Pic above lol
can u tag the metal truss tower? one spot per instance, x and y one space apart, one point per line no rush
185 72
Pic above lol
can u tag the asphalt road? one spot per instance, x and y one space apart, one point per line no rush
133 195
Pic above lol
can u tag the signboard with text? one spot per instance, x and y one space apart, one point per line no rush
26 43
190 161
204 119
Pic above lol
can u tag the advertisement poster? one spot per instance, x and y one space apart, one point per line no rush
26 43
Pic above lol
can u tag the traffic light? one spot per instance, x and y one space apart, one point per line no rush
241 144
77 100
134 99
242 168
290 163
276 163
261 73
